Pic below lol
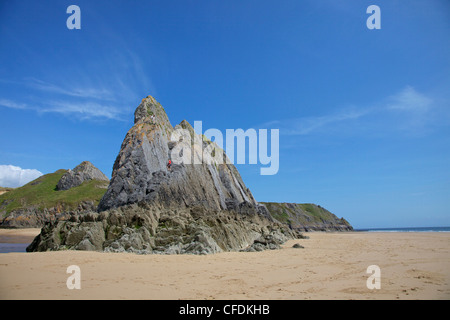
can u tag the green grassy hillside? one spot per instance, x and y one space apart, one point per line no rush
41 193
303 214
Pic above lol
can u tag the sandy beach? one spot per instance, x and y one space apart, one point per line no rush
331 266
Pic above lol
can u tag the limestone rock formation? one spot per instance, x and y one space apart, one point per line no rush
140 171
201 205
83 172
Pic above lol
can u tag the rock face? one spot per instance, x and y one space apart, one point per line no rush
34 217
83 172
140 171
307 217
201 205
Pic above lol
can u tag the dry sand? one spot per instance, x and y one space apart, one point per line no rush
331 266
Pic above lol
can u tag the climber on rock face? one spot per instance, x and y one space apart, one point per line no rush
169 165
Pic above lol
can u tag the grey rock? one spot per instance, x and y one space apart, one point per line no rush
140 170
83 172
298 246
86 245
271 241
34 217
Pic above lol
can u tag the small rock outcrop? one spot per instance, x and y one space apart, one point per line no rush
4 190
198 206
41 201
83 172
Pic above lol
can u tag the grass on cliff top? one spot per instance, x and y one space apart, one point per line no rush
42 193
283 213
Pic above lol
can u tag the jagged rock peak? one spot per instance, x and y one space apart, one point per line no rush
83 172
186 125
148 107
140 171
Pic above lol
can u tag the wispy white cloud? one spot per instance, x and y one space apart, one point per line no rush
13 177
409 100
109 90
80 110
87 110
411 110
303 126
12 105
415 112
95 93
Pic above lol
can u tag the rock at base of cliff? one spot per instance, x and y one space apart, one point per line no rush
142 229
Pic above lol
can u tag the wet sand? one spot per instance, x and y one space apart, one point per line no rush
18 235
331 266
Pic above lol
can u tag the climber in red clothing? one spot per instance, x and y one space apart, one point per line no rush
169 165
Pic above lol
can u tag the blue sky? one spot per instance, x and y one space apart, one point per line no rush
364 115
